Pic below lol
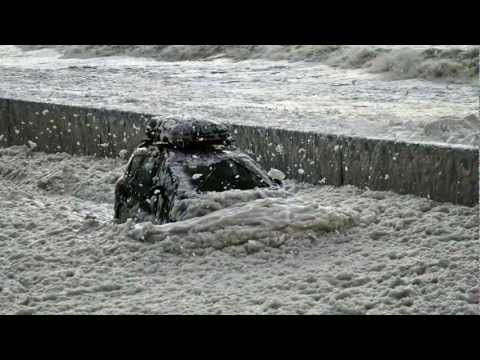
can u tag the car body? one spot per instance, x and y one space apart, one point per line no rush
182 159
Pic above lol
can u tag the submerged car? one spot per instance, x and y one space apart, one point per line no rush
182 159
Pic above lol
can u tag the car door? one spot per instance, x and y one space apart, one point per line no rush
164 189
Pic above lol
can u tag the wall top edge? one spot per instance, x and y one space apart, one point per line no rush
343 137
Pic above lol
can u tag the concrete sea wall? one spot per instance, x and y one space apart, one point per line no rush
442 173
71 129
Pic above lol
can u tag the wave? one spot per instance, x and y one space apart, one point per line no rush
452 63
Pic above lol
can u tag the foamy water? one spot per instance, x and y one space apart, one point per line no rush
300 250
304 250
292 95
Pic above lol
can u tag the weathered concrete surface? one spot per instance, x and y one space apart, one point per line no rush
442 173
309 157
4 123
437 172
75 130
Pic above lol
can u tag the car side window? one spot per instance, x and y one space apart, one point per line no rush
135 164
224 175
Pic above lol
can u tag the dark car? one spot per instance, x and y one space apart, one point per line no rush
182 159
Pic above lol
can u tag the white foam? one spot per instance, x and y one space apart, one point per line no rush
301 250
281 94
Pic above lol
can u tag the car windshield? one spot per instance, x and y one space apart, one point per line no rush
223 175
